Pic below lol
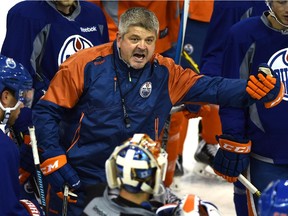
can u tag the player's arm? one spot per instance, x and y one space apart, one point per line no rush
265 87
47 114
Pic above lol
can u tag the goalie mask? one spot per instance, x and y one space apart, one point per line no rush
139 165
15 78
274 199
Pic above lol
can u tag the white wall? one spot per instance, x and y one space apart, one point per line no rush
5 5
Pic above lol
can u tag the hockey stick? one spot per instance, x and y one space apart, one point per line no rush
182 31
37 167
67 195
249 185
65 200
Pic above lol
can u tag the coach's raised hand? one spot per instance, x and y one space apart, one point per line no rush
266 87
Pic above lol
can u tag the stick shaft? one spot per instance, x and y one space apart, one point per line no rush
249 185
65 200
37 167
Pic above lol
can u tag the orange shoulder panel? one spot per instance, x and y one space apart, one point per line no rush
67 85
180 80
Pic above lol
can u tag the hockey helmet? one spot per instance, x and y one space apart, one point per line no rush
139 165
15 77
274 199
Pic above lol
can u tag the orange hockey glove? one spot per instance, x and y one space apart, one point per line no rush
267 87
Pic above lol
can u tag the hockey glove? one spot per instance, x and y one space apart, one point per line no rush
232 158
195 111
58 172
267 87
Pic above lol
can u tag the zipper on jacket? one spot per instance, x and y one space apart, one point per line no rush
156 128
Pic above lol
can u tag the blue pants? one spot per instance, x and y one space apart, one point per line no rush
262 173
240 199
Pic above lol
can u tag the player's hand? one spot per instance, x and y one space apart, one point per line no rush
232 158
266 87
58 172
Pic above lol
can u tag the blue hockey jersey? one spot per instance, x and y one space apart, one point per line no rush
41 38
225 14
9 182
250 43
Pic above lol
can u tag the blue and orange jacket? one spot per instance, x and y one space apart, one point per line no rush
81 115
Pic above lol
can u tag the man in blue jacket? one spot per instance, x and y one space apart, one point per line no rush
103 95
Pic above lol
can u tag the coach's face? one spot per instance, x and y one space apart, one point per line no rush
137 46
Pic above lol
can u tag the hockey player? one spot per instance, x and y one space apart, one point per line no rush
225 14
137 168
247 46
274 199
103 95
52 31
15 93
